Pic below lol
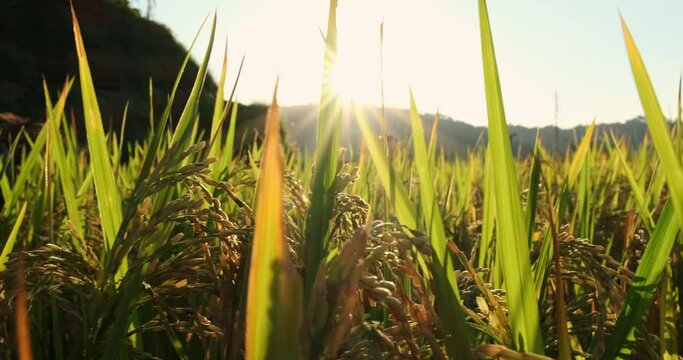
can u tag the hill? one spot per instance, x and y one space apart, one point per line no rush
124 49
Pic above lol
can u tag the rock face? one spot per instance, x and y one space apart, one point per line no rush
124 52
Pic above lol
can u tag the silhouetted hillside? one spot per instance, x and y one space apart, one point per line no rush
124 51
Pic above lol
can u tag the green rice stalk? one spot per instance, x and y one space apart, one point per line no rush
636 190
327 148
218 110
489 215
12 238
542 264
230 137
183 131
513 243
563 342
668 333
29 164
679 121
108 197
433 140
405 211
64 166
158 130
446 284
532 193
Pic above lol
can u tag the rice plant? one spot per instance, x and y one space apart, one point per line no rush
189 249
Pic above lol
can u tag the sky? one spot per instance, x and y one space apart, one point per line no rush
572 51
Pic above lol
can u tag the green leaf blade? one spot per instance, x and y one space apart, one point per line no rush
273 315
513 243
643 288
327 154
446 284
108 198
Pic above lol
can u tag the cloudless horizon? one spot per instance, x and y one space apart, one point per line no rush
572 49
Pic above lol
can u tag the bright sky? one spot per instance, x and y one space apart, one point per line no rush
574 48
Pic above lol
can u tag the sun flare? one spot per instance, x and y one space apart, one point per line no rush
356 71
347 82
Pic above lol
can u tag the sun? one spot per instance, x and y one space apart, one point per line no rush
356 70
346 82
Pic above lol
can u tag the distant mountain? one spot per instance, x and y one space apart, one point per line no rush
455 137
